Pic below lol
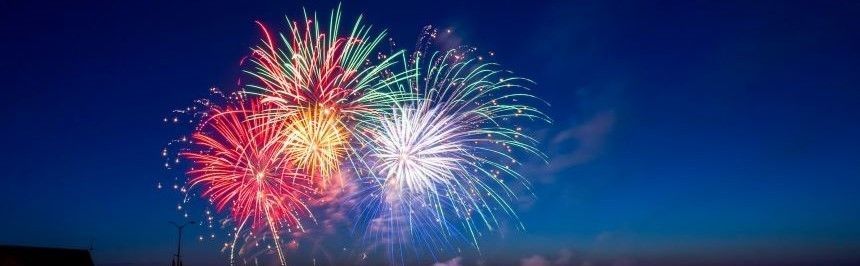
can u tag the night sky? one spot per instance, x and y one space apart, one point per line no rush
683 131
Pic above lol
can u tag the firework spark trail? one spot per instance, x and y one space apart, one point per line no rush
236 162
313 69
442 163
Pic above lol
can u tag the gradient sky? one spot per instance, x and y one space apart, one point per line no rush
683 129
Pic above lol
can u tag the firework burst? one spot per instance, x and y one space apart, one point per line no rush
313 69
315 140
236 161
442 164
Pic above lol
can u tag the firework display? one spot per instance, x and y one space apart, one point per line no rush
421 149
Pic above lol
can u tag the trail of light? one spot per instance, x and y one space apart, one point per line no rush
235 239
275 237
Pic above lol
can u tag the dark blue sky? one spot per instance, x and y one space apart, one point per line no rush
682 129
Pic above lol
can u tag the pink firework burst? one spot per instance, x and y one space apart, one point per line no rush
236 161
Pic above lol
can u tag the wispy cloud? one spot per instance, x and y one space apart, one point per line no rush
452 262
534 260
572 146
565 257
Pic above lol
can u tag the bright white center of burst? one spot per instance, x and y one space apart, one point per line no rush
419 150
260 176
404 156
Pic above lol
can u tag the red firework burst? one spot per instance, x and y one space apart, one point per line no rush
315 66
313 76
236 161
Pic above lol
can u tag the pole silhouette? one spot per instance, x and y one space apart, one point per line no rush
177 260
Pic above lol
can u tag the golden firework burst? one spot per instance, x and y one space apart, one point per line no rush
315 140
